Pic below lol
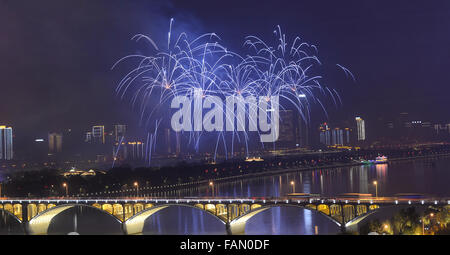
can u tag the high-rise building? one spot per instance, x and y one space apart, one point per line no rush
136 150
119 132
98 134
302 132
325 134
55 141
178 145
347 136
338 137
287 129
6 143
168 141
88 137
361 129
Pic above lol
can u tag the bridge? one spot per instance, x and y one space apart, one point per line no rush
36 215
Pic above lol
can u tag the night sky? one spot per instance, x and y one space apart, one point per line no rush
56 56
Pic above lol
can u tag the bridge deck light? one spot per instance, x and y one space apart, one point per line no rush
359 201
287 201
264 201
409 202
423 202
396 202
435 202
346 201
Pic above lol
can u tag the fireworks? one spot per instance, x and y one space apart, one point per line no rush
201 70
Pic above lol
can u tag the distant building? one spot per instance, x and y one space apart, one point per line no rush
178 143
98 134
325 134
6 143
55 141
347 136
136 150
338 137
119 132
286 136
361 129
302 132
442 131
167 134
88 137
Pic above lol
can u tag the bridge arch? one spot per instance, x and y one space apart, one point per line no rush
40 224
10 214
135 224
237 226
10 224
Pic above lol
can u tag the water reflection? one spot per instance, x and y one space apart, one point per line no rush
412 176
289 221
84 220
182 220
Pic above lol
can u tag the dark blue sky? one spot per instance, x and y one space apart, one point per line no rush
55 56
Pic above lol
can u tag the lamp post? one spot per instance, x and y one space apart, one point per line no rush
66 187
293 186
376 188
211 184
136 184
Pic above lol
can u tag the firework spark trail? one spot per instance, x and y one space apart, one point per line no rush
201 67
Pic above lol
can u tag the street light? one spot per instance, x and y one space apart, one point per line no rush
211 184
376 188
66 187
423 222
136 184
293 186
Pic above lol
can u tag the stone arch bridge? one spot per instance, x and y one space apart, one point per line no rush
36 214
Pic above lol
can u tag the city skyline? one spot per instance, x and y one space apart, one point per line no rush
47 107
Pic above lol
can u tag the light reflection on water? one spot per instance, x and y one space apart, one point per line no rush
418 176
183 221
289 221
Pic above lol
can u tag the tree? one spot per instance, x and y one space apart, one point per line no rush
406 222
